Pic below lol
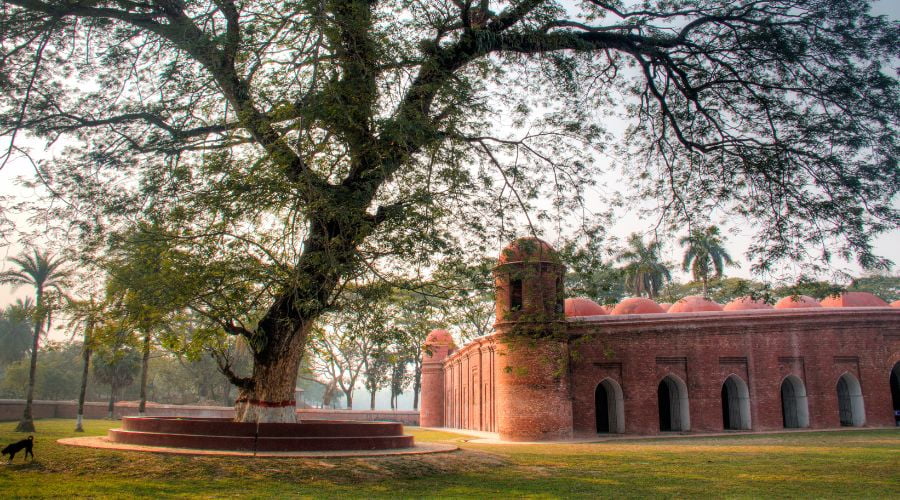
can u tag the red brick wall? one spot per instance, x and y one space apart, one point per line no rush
469 387
703 349
527 392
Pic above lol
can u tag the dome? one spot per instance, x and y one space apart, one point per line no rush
694 303
854 299
746 304
637 305
439 337
580 306
895 303
797 302
528 249
665 305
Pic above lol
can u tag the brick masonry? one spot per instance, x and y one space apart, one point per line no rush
545 388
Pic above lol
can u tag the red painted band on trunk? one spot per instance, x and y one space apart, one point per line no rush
268 404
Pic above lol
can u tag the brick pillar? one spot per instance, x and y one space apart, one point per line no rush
532 392
438 346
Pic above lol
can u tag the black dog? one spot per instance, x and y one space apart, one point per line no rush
14 448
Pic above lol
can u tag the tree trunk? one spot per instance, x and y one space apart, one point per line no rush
111 408
417 385
86 356
279 339
145 362
349 395
270 396
27 422
372 400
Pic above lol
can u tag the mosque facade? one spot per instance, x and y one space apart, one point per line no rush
558 368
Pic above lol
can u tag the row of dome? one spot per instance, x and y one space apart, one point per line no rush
579 306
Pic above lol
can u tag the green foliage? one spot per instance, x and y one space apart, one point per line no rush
722 290
15 331
644 272
590 271
57 378
809 286
885 286
705 254
116 365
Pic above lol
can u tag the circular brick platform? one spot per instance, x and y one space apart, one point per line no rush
223 435
101 442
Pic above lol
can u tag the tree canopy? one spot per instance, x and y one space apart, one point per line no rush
285 147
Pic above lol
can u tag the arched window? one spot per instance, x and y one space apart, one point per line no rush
794 407
850 401
515 294
609 407
672 399
735 404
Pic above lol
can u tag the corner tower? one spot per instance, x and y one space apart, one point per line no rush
528 282
438 345
533 396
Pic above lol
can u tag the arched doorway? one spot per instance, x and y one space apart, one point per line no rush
794 407
609 407
850 401
735 404
672 400
895 391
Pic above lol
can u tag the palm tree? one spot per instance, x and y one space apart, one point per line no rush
705 252
44 273
644 271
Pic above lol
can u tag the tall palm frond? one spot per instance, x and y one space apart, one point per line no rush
644 271
705 254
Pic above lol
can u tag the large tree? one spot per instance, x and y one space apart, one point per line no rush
280 146
45 273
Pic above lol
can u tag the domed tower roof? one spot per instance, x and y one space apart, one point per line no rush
694 303
854 299
580 306
895 303
746 304
637 305
529 249
439 337
797 302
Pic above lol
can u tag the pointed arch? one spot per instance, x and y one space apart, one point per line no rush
735 404
794 405
895 391
850 401
673 404
609 405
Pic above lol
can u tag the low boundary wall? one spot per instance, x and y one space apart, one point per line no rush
11 410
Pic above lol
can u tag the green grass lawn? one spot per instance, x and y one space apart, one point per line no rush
848 464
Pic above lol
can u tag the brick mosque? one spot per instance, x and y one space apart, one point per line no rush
558 368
